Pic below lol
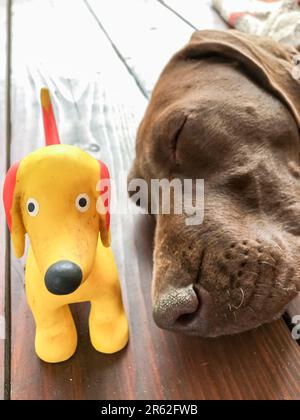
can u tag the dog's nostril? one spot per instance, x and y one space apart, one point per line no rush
63 277
176 308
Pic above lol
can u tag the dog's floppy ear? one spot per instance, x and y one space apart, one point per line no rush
13 211
269 62
104 204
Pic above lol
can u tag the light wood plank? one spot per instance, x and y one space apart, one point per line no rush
98 104
3 168
198 13
146 39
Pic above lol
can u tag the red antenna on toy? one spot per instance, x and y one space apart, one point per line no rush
51 132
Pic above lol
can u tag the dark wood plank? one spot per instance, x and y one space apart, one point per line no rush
3 167
197 13
99 105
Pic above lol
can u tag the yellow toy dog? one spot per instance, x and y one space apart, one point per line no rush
51 194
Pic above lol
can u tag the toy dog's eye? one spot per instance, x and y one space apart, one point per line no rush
32 207
82 203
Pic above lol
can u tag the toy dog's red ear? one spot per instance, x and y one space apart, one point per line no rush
104 176
13 211
8 191
105 194
51 132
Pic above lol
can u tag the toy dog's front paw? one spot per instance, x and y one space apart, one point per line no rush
55 348
109 337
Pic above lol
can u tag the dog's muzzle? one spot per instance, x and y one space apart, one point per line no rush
63 278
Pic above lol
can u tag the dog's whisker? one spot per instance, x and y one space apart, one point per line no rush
270 256
242 301
267 263
251 272
276 245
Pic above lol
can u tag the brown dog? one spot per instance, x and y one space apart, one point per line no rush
226 109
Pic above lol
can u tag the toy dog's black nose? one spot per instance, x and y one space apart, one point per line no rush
63 277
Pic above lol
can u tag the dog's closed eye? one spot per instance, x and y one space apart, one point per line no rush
165 133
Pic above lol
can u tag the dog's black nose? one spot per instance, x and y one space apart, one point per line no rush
63 277
185 309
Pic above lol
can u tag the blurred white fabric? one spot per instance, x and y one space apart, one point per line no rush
279 20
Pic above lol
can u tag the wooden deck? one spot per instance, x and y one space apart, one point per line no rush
100 59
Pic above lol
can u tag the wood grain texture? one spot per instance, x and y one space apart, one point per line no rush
98 106
197 13
147 38
3 166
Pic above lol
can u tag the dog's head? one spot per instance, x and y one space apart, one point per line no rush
227 110
52 195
